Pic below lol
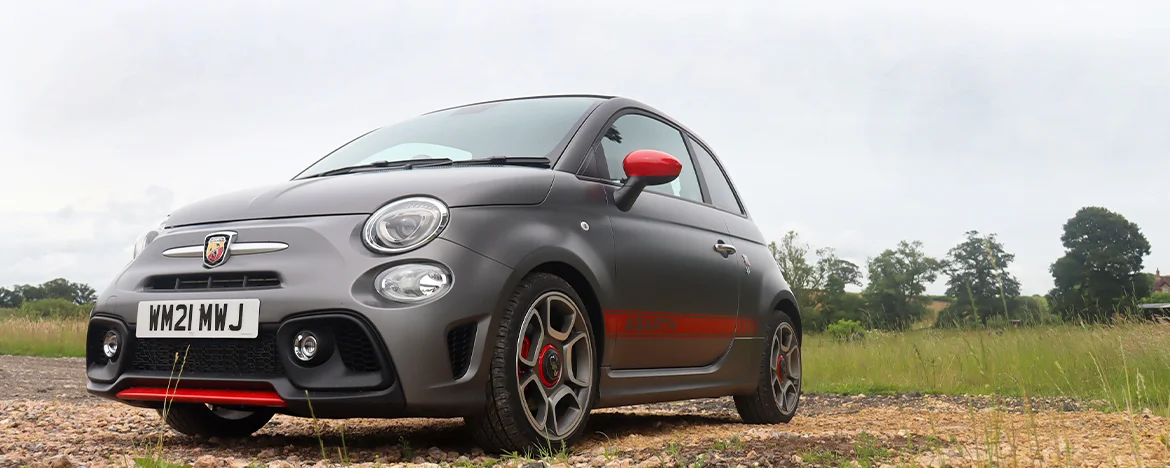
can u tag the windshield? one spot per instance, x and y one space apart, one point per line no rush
519 127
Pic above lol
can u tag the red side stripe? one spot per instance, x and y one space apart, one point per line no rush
641 324
197 395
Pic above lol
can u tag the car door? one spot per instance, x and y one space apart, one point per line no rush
743 234
677 301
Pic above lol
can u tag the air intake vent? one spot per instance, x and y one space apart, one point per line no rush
357 352
459 343
205 281
209 356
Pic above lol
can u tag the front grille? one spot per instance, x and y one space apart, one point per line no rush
234 357
459 342
204 281
357 352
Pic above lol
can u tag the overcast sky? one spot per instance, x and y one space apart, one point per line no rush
856 123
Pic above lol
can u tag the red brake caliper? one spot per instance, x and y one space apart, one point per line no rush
780 368
524 347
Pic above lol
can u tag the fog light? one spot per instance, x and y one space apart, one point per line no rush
110 344
413 282
305 346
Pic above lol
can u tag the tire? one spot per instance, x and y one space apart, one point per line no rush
511 423
764 406
195 419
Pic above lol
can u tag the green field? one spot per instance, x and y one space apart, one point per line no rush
50 328
1128 365
1125 364
40 337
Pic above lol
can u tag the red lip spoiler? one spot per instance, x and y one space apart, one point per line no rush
210 396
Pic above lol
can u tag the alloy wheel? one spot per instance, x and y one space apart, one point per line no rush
786 368
554 365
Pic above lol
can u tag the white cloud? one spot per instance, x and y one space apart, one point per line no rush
863 123
88 240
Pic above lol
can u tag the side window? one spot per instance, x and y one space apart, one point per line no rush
721 194
634 132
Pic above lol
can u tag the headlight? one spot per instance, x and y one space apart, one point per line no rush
140 244
405 225
145 239
413 282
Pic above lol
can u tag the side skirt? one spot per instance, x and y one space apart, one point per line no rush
735 373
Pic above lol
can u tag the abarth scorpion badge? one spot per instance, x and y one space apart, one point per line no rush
216 248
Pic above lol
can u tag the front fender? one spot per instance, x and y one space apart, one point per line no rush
550 237
571 227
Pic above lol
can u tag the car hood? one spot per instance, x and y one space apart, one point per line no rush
365 192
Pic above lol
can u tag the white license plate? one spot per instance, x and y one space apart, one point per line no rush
212 318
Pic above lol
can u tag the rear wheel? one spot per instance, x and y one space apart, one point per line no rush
543 374
196 419
777 395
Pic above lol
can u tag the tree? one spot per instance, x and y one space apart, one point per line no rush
792 258
978 280
29 292
897 279
10 298
1101 268
839 272
60 288
835 303
819 286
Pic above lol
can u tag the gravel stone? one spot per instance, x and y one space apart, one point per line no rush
47 420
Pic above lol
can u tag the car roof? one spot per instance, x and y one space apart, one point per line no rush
611 101
615 101
600 97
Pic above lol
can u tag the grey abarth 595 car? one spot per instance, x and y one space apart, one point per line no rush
516 263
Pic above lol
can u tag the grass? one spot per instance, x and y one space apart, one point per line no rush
1123 363
42 337
867 451
1099 362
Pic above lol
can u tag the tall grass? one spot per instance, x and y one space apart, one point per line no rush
1125 363
42 337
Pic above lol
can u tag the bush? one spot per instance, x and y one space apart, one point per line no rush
49 309
1024 311
1156 298
846 330
956 316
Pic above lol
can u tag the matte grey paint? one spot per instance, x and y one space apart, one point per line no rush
505 222
365 192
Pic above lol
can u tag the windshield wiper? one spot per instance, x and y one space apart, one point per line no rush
530 161
405 164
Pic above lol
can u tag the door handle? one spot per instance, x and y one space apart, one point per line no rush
724 249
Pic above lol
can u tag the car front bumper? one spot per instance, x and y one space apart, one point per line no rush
388 360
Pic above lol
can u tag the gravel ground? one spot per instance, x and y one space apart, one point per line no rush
47 419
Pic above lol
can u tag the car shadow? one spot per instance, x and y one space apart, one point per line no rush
406 438
622 424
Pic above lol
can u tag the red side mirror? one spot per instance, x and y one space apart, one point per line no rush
645 167
655 166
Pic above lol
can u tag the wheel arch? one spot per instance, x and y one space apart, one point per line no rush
584 289
785 302
574 270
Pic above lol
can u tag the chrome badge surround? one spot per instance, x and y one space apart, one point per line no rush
233 248
217 248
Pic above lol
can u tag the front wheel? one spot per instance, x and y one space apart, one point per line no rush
777 394
543 375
